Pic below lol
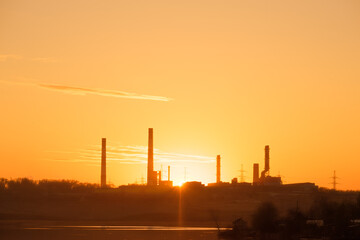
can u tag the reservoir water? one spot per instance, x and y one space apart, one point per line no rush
109 233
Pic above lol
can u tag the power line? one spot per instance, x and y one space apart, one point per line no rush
242 176
184 174
334 182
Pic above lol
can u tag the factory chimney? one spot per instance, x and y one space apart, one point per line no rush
218 169
159 177
150 172
267 158
103 162
265 172
168 173
255 173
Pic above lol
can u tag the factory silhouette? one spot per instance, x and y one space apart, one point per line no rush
154 178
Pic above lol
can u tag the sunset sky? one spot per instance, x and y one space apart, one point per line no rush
211 77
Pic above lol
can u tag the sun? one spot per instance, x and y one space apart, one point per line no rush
178 183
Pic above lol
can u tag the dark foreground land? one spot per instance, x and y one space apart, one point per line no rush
71 201
27 208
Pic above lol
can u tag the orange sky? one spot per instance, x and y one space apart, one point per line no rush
211 77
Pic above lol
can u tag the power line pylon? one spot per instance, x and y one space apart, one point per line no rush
334 182
242 176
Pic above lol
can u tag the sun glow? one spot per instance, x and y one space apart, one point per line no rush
178 183
213 80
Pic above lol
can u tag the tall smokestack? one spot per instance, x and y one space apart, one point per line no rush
255 173
150 173
103 162
218 169
267 158
168 173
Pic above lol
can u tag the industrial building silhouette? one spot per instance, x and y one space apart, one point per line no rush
154 178
265 178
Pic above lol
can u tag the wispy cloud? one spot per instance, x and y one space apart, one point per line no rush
101 92
94 91
6 57
132 155
44 59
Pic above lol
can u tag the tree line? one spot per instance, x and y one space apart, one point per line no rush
324 220
26 185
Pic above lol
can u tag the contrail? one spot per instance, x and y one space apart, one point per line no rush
94 91
101 92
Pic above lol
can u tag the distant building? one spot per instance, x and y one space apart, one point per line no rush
301 187
218 179
221 184
255 173
265 178
268 180
166 183
193 185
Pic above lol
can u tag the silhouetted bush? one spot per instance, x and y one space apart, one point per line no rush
294 223
265 219
3 184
